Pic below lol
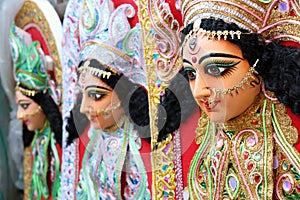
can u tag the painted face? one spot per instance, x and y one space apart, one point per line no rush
218 65
29 112
99 102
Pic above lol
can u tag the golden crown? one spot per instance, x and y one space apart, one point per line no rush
277 19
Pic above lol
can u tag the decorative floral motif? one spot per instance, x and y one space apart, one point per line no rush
161 50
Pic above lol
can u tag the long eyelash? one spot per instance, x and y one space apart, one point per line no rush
225 63
102 96
228 72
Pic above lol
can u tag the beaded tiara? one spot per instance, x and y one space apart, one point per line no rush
276 20
106 35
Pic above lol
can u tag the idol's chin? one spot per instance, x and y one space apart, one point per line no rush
217 117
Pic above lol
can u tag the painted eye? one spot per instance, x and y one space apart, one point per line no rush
96 95
190 72
24 105
219 68
214 70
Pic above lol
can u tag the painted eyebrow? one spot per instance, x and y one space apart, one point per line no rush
96 86
185 60
225 55
23 101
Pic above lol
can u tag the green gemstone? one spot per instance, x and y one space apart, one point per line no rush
285 166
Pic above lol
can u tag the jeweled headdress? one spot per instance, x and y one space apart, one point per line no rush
106 35
277 19
30 65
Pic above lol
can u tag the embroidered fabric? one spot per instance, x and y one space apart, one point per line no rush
108 156
252 157
41 162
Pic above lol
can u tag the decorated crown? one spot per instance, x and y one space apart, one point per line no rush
106 35
29 67
30 64
277 19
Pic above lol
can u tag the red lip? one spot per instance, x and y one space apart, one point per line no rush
25 122
209 106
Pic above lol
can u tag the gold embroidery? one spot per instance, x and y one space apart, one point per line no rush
249 150
27 164
163 174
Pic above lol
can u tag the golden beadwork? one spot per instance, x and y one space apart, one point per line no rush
95 71
197 30
273 19
24 91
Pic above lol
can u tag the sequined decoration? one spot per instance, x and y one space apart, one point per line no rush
70 46
246 151
161 51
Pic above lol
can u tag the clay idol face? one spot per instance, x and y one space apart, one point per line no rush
29 112
99 102
218 75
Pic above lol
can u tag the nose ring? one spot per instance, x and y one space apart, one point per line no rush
212 95
21 116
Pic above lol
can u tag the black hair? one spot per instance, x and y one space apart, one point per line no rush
279 67
133 97
52 113
176 105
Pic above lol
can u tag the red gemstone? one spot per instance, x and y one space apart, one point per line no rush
293 13
246 155
218 156
212 171
200 177
250 166
215 163
298 188
257 178
194 59
282 156
128 190
254 122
